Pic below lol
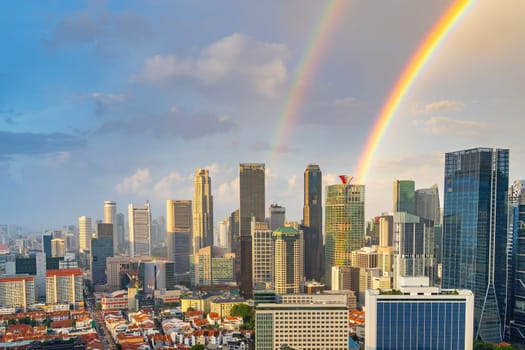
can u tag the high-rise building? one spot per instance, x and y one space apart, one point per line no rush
234 231
110 217
516 278
213 266
224 233
122 247
404 196
252 204
262 255
178 236
157 275
64 286
288 260
475 233
17 291
277 216
419 318
139 230
313 223
345 224
46 243
202 210
427 204
101 249
85 231
58 248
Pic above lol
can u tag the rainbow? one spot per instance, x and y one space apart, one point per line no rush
405 81
310 59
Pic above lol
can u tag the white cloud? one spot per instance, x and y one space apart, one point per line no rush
292 182
330 179
227 194
164 188
236 59
443 106
134 183
447 126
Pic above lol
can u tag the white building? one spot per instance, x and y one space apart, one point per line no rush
64 286
262 254
139 230
110 217
17 291
85 230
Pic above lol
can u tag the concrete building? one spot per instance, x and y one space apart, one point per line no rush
213 266
427 204
419 318
202 210
251 204
64 286
139 230
179 222
277 216
17 291
262 254
46 243
119 267
110 217
85 231
157 275
313 223
308 322
288 260
58 248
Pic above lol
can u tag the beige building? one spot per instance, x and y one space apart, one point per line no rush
85 231
64 286
17 291
110 217
262 254
288 260
58 248
223 306
202 210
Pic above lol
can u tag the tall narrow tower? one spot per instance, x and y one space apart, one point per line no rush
313 222
139 230
252 204
404 196
85 230
202 211
178 236
475 233
110 217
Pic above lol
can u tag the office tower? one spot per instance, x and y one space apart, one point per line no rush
110 217
419 318
475 233
427 204
157 275
404 196
101 249
517 276
58 248
213 266
345 224
121 233
234 231
224 233
386 231
17 291
288 260
178 236
202 210
85 231
277 215
313 223
46 243
139 230
64 286
158 231
303 322
263 255
252 204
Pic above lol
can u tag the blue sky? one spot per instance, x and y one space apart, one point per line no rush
124 100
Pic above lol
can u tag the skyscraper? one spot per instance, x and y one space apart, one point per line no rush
313 222
252 204
288 260
101 249
202 211
121 233
475 233
404 196
262 254
178 236
85 231
427 204
46 243
277 216
345 224
58 248
110 217
139 230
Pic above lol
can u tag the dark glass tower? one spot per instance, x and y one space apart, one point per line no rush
475 233
101 249
313 223
404 196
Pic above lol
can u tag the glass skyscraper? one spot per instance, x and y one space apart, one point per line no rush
345 224
313 222
475 233
404 196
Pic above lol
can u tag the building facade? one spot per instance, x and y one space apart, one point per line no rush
475 233
288 260
101 249
313 223
139 230
17 291
85 231
344 226
251 205
262 255
64 286
202 210
179 236
517 278
404 196
110 217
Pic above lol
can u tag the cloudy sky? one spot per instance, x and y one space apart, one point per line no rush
124 100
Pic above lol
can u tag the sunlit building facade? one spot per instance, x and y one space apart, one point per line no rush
202 210
139 230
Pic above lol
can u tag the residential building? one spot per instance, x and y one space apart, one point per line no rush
64 286
202 210
139 230
58 248
17 291
288 260
475 233
179 236
419 318
251 204
344 226
101 249
404 196
313 223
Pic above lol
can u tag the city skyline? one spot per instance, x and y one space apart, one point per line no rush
124 102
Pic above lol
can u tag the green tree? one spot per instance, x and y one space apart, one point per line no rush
198 347
247 313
